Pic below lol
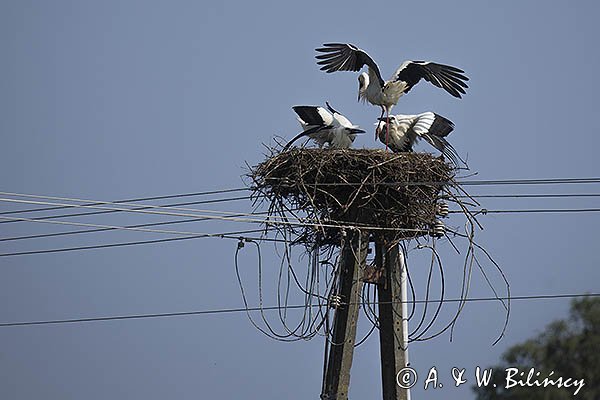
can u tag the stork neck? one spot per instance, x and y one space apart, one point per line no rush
374 79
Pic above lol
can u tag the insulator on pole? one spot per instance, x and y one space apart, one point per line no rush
442 209
335 301
438 229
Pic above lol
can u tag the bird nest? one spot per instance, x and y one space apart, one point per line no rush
314 195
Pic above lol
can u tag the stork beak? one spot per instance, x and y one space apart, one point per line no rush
382 119
357 130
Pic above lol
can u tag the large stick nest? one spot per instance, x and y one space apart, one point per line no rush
312 193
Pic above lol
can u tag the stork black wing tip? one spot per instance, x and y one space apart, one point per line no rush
328 69
330 47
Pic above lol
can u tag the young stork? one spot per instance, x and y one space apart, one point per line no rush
385 94
405 130
325 126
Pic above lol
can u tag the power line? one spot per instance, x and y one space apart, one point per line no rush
82 214
222 200
531 196
557 181
153 210
109 227
90 203
195 235
227 216
164 197
46 235
530 211
462 182
140 209
97 230
224 235
235 217
271 308
189 235
551 181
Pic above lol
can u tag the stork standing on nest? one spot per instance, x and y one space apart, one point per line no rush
403 131
385 94
325 126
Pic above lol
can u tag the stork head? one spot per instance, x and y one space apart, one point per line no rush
354 130
350 132
363 82
382 127
392 119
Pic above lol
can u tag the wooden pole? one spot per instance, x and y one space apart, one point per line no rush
392 328
352 263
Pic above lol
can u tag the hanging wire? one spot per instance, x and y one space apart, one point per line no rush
314 287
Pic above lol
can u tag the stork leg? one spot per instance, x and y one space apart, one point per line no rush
379 119
387 129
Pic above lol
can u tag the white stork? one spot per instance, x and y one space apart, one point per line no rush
372 87
405 130
325 126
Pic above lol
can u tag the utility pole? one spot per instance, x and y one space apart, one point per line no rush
352 264
393 325
394 199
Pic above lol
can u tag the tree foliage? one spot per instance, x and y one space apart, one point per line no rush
570 348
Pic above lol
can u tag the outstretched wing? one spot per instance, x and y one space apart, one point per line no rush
345 57
314 115
449 78
441 126
432 124
434 128
445 148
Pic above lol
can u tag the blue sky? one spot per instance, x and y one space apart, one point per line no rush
111 100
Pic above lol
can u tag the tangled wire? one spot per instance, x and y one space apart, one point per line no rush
314 197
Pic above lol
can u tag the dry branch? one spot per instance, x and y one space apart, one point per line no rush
393 193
